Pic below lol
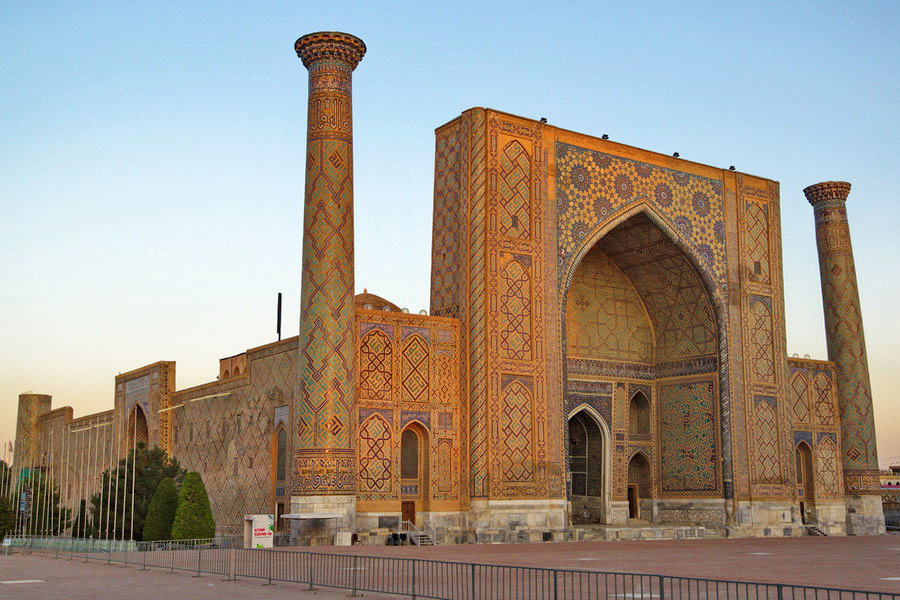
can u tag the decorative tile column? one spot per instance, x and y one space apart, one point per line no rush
847 348
323 478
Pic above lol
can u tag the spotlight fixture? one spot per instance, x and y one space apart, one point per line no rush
675 154
731 168
604 137
543 119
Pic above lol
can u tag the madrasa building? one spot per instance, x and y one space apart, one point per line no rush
605 351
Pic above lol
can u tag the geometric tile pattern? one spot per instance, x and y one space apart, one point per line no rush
374 452
515 191
767 467
606 318
477 308
760 341
375 351
827 466
445 253
515 311
516 431
593 186
675 297
756 241
823 400
800 397
688 437
415 369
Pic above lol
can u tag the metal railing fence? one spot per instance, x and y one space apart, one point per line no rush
422 578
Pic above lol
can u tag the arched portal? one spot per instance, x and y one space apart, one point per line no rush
589 466
414 472
805 482
640 488
138 431
642 325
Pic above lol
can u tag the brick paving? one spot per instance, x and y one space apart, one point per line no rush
840 562
863 563
71 579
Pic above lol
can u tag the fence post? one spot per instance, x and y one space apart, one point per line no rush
172 563
555 585
232 560
353 579
309 574
143 559
269 554
414 561
199 553
780 592
662 593
473 580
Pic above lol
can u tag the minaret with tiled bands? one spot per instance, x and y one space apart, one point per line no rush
323 413
847 348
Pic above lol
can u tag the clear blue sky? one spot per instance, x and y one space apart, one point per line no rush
151 156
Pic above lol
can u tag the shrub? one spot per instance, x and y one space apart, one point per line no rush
193 519
161 512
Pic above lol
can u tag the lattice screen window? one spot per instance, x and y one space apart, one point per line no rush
409 455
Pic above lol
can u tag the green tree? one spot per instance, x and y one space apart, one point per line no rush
193 519
7 515
161 512
111 514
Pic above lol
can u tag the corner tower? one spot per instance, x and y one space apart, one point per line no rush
847 348
323 415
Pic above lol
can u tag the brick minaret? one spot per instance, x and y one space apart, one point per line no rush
323 414
847 348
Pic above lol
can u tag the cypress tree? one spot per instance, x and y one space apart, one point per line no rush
161 512
193 519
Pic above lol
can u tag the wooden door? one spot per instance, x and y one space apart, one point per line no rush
632 501
408 511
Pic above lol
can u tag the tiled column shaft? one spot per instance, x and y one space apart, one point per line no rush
323 414
844 334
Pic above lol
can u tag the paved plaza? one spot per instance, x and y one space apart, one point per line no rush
867 563
864 563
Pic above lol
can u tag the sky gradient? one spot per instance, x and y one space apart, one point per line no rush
151 157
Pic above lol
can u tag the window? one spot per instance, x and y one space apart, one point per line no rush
409 455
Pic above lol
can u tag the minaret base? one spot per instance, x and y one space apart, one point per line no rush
865 515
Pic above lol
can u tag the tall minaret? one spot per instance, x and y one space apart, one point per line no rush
324 411
847 348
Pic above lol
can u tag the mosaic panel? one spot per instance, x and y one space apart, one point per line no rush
688 437
376 365
799 397
515 311
827 466
767 468
824 401
374 450
592 187
760 341
756 241
415 368
515 191
516 432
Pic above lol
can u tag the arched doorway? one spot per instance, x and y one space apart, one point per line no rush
642 324
805 483
640 488
414 489
589 467
138 431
